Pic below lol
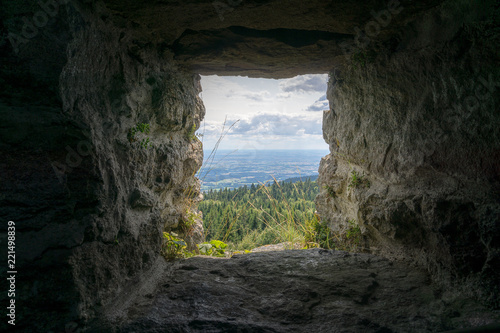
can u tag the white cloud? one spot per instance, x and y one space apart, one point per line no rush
305 83
260 96
266 124
319 105
284 95
272 113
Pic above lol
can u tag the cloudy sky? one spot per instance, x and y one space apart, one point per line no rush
264 113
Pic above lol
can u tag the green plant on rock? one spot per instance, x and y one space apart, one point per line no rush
139 128
319 234
173 246
188 220
191 134
349 239
145 143
330 190
358 180
187 226
214 248
353 233
310 235
143 128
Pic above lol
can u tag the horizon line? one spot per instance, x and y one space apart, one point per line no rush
252 149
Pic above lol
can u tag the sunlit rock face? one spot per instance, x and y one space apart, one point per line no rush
91 198
420 125
143 187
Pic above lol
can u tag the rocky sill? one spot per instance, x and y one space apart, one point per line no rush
295 291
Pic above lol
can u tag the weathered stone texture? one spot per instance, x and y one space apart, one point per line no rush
297 291
422 125
89 205
418 116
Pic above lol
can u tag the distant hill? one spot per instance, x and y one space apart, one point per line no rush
234 169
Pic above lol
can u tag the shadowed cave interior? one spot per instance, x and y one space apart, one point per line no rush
413 94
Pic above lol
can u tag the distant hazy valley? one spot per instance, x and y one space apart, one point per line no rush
233 169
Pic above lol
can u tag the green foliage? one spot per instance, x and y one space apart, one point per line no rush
145 143
249 217
347 240
191 133
252 216
350 239
173 247
241 252
214 248
358 180
353 232
250 240
139 128
143 128
321 234
189 218
188 221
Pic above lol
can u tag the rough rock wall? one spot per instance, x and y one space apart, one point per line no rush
419 123
89 201
90 205
33 135
140 190
256 38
